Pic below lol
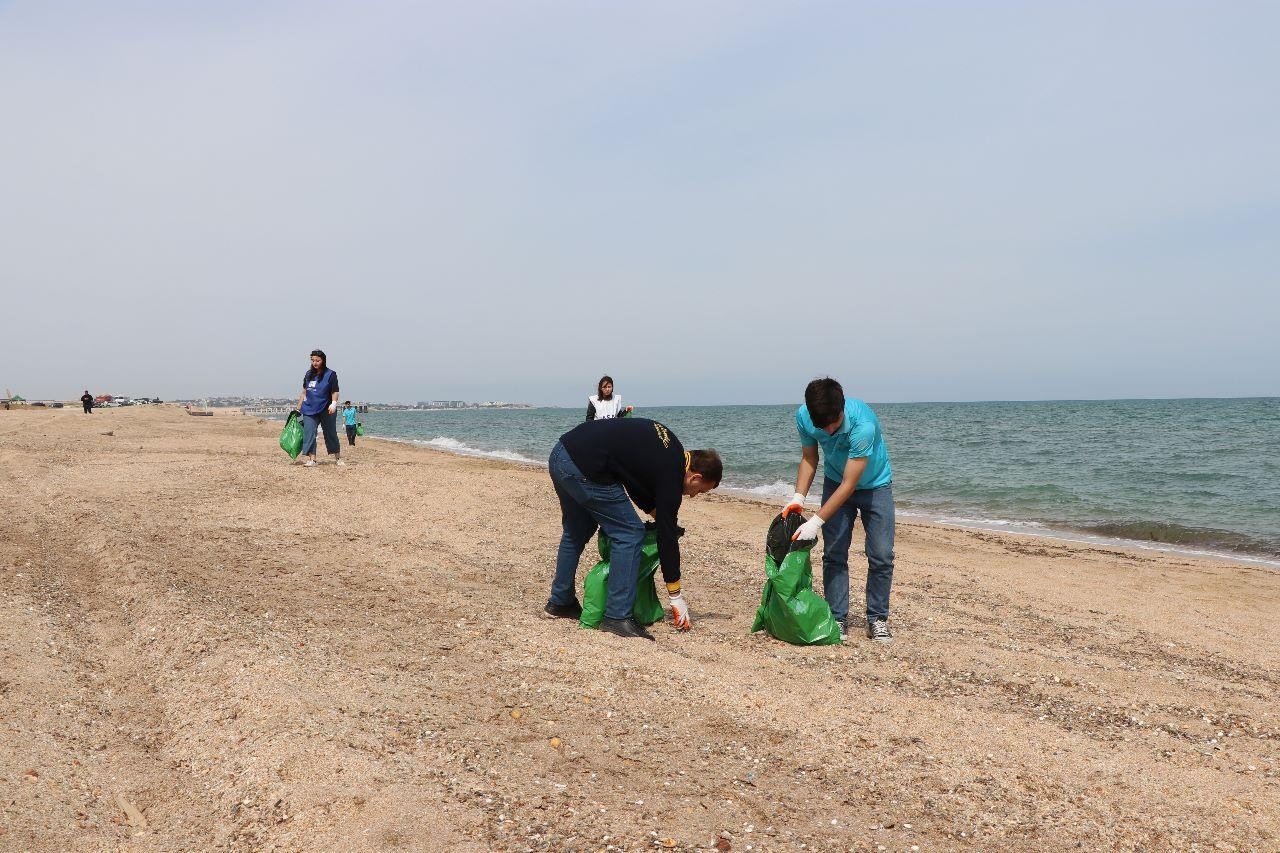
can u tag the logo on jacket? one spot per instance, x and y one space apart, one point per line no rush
663 435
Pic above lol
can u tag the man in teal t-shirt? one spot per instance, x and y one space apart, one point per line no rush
349 420
857 479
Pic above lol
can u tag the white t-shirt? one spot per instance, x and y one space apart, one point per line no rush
606 409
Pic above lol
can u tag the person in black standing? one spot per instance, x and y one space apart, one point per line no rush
600 468
86 400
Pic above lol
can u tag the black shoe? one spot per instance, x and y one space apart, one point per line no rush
878 631
625 628
572 610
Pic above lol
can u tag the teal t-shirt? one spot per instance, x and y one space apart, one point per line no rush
349 415
858 436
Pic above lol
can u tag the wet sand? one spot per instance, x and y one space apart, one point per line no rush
203 646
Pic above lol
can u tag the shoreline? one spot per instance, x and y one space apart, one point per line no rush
212 647
1012 527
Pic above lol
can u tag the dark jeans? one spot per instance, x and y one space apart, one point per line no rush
329 424
876 508
88 408
351 436
584 507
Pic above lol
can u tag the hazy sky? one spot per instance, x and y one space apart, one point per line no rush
712 201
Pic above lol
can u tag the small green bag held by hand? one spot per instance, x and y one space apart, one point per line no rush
789 608
359 428
595 589
291 435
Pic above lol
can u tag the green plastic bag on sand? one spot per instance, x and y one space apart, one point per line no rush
291 435
789 608
595 589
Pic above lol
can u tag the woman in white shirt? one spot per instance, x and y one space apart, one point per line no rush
605 404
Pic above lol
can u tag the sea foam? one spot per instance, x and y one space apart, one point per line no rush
452 445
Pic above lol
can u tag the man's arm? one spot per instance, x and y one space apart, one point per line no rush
852 473
668 536
804 478
808 468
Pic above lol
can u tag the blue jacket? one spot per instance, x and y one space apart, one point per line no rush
319 390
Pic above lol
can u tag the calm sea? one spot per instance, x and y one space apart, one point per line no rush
1189 475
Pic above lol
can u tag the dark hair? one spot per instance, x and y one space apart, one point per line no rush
324 362
824 398
600 388
346 402
707 463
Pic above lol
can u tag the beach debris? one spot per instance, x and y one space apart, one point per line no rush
131 813
517 714
723 844
110 432
556 743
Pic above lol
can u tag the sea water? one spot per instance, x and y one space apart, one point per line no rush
1200 475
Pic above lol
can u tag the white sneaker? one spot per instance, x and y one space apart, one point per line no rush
339 462
310 463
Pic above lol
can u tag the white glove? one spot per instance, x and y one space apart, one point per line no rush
333 407
808 530
796 504
679 611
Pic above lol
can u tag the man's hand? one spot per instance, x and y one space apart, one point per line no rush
333 407
679 611
796 504
808 530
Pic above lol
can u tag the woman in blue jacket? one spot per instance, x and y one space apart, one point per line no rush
318 404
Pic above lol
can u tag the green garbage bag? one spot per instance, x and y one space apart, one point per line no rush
359 428
789 608
291 435
595 589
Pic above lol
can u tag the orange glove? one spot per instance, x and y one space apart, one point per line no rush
796 505
679 611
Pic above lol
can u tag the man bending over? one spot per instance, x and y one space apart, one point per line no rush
599 468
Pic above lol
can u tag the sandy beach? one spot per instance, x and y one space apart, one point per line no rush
206 647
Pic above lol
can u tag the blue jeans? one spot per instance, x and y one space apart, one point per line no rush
876 507
329 424
584 507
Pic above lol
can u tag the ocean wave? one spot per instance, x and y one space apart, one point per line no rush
1167 538
1163 533
771 491
452 445
961 521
